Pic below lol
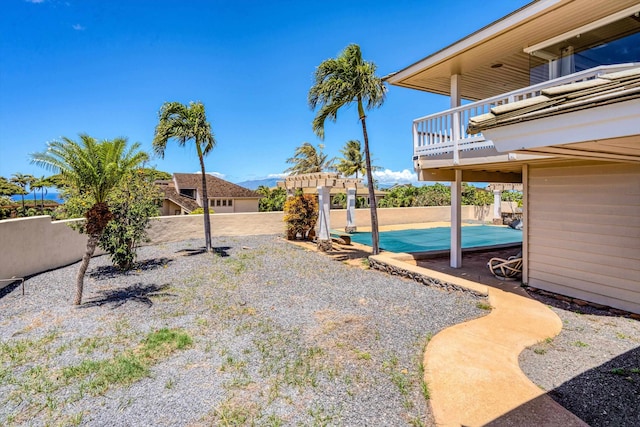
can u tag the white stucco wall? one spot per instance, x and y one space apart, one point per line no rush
35 244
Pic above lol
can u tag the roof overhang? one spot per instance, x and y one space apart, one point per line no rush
493 60
609 132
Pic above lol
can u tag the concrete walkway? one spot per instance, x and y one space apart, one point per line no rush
472 368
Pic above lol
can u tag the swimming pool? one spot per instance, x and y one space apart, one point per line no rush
439 238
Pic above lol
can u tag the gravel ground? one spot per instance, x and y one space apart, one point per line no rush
261 333
592 367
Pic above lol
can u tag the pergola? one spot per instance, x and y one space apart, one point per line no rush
497 189
323 183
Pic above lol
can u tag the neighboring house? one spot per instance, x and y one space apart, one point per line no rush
575 148
183 194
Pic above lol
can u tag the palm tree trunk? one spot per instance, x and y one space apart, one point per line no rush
91 248
372 194
205 206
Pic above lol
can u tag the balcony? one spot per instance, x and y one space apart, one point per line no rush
443 136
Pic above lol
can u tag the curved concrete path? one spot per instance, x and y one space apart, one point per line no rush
472 368
473 373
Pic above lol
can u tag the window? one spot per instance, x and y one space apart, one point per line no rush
189 192
218 202
224 203
614 43
230 202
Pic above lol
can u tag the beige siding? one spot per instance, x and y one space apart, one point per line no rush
170 208
584 232
246 205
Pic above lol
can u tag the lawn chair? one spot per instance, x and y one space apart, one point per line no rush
509 268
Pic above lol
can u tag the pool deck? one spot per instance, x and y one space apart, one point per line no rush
472 368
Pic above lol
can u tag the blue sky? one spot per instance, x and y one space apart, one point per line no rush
105 67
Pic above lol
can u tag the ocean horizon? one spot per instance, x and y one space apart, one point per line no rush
51 196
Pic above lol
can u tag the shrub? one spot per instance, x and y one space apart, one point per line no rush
199 211
132 204
300 214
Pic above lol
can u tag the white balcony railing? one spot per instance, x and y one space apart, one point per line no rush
445 132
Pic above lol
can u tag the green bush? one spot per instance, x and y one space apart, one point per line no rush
132 204
199 211
300 214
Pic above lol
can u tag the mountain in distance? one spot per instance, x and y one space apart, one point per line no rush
255 183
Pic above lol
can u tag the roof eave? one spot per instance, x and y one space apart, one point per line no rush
513 19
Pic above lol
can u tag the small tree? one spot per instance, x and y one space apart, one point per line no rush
93 168
272 200
132 204
301 215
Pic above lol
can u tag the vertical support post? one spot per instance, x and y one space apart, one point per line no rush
351 211
455 122
525 222
455 260
497 206
324 225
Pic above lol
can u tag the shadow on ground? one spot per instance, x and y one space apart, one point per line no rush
7 288
105 272
220 251
137 292
597 396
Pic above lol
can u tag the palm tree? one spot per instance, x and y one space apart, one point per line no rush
94 168
21 180
353 162
342 81
183 123
41 184
308 159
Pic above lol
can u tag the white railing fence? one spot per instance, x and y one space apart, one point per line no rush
446 132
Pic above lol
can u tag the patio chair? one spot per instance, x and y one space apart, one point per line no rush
509 268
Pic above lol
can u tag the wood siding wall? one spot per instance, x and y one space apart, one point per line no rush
584 232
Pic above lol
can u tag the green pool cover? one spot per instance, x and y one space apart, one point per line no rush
439 238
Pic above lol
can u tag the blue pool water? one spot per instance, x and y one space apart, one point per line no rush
439 238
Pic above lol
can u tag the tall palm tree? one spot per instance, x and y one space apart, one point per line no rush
342 81
353 162
21 180
183 123
94 168
41 184
308 159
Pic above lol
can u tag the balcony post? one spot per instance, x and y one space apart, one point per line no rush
455 122
455 258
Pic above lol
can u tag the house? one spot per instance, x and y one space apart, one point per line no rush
183 194
548 97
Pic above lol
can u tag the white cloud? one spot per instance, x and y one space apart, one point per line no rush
388 176
277 175
216 174
78 27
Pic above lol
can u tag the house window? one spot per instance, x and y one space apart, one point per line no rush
230 202
212 203
189 192
614 43
224 203
218 202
